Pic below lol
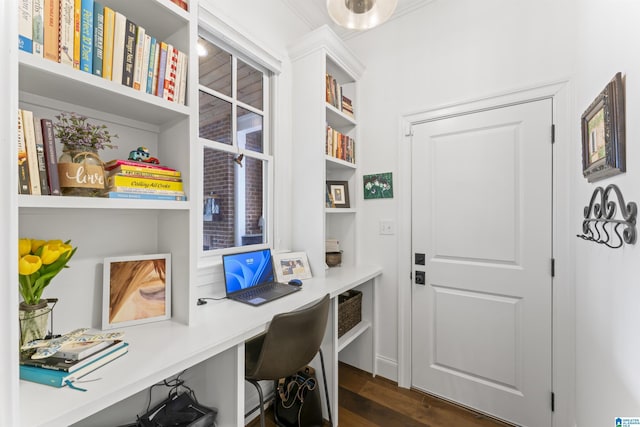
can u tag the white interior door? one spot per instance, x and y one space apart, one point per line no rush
482 216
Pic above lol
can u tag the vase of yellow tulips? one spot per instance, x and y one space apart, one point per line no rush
39 261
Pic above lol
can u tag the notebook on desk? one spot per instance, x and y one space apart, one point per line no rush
248 278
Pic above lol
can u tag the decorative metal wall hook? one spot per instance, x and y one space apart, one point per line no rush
601 212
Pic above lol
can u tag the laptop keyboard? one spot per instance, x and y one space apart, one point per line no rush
267 288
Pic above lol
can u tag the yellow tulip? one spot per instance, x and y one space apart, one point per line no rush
35 245
29 264
39 262
24 247
52 250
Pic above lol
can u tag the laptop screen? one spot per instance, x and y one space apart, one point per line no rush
247 269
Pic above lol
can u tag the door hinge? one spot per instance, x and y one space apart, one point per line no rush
553 267
553 134
410 276
553 402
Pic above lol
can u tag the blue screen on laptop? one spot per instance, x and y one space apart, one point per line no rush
247 269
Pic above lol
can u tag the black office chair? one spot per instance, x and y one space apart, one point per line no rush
291 341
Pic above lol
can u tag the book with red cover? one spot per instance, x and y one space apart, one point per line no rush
113 163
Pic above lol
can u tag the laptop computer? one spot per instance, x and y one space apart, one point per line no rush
248 278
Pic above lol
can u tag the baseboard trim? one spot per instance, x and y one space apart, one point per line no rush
387 368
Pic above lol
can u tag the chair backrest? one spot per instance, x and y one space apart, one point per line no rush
291 341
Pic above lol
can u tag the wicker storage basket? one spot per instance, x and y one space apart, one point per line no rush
349 311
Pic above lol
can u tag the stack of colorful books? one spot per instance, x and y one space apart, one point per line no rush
129 179
73 361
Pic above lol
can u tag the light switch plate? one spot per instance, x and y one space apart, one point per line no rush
387 226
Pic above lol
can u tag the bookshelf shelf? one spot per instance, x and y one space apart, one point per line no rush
338 211
335 164
61 83
66 202
338 119
161 17
352 334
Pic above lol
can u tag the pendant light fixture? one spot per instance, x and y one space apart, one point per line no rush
360 14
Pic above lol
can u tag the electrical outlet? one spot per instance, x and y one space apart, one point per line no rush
387 226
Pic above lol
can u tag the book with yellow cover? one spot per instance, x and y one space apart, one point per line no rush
51 29
77 31
148 183
109 28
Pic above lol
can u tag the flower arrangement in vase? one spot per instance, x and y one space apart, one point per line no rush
39 262
80 168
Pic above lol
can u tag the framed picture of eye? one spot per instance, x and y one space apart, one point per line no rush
136 289
603 133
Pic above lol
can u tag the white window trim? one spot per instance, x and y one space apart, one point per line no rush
224 33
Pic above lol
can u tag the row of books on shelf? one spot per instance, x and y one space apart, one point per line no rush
340 146
94 38
71 362
335 97
38 172
37 158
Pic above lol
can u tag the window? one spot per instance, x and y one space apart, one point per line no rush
233 124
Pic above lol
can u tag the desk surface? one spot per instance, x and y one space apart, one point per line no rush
162 349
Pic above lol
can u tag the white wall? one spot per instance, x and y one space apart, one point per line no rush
607 287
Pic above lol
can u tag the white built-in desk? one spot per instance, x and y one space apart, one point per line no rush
213 351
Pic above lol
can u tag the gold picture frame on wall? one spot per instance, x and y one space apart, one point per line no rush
603 133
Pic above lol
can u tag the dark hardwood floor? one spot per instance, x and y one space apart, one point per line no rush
368 402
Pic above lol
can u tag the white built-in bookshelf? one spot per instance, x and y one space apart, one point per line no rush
207 341
318 54
102 227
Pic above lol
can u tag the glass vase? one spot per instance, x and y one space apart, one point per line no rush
81 172
34 320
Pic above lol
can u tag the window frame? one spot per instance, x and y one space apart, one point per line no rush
269 76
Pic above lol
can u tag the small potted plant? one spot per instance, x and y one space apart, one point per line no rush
39 262
80 167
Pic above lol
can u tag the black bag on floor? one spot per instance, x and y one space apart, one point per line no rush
178 410
298 400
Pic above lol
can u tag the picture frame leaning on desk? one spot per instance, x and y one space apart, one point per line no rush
291 265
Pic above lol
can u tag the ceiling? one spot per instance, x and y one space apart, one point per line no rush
314 13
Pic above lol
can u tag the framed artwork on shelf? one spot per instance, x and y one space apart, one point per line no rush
603 133
292 265
378 186
338 194
135 290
